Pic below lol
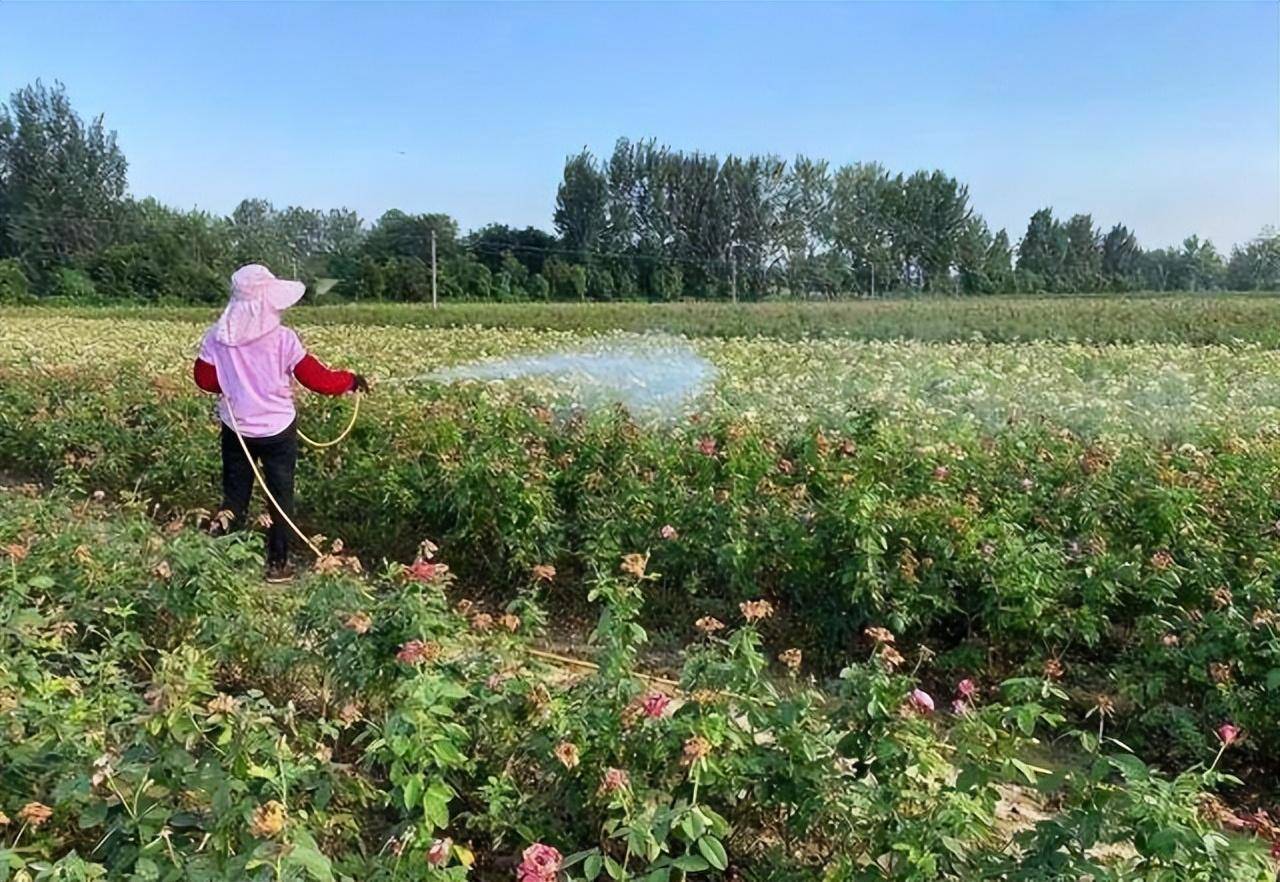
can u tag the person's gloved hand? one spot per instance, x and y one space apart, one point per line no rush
359 384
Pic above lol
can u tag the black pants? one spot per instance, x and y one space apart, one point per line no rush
277 457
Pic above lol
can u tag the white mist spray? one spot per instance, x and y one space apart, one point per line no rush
652 377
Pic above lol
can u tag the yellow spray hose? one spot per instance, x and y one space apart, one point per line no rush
321 445
235 427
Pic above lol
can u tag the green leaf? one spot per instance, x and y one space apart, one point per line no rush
591 867
690 863
93 815
1273 679
1030 772
714 852
306 855
412 791
612 867
1132 768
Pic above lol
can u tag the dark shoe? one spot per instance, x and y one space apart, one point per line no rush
279 573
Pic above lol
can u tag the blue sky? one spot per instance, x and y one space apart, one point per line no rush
1163 115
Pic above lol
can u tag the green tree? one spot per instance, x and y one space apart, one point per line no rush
1120 257
580 205
13 281
1042 252
1201 265
491 244
864 197
62 181
1255 266
1082 263
397 234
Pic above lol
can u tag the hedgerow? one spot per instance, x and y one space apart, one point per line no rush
169 717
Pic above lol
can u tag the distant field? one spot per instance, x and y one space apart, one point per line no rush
1217 318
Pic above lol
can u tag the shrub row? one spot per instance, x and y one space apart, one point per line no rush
166 718
1146 574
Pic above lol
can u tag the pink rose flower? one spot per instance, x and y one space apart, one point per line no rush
438 853
655 705
668 532
921 701
614 780
965 689
539 863
1228 733
425 570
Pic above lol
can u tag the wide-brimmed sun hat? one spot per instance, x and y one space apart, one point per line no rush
257 299
254 282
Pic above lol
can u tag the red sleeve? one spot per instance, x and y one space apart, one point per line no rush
206 376
318 378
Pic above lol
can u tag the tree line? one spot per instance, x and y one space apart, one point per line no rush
647 222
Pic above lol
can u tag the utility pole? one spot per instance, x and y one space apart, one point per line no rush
435 303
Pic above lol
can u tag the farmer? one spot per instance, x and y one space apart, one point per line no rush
250 358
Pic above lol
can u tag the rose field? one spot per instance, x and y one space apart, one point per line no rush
857 608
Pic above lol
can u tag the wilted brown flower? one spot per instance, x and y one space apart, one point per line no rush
1169 640
221 704
635 564
481 622
540 697
695 749
35 814
1222 597
510 622
464 607
879 635
567 753
705 696
614 780
890 657
709 625
349 713
4 820
1263 617
1053 669
1161 560
1220 672
163 571
16 552
268 820
63 629
755 610
544 573
414 652
1104 704
359 621
791 658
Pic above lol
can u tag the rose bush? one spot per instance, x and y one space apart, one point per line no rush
166 717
